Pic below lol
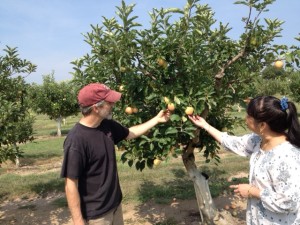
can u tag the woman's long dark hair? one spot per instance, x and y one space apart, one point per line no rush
268 109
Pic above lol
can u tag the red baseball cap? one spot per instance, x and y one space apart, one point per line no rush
96 92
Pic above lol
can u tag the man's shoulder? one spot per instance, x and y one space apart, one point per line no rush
77 131
111 123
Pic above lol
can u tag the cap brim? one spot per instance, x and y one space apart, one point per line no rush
113 96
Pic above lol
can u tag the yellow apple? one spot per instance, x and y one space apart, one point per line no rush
128 110
156 162
161 62
189 110
123 69
171 107
135 110
278 64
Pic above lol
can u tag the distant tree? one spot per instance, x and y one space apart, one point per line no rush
271 81
271 87
271 73
55 99
294 85
16 123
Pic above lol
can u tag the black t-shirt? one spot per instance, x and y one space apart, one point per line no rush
89 156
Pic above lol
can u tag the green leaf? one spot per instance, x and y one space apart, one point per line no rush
130 163
176 100
171 130
175 118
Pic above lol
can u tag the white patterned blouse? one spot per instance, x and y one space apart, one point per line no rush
276 173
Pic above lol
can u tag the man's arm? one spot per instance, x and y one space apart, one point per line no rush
72 194
138 130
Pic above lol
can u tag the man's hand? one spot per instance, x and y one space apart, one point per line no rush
163 116
73 198
138 130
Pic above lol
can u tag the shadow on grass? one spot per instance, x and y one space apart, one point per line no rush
164 193
63 132
38 156
182 186
51 186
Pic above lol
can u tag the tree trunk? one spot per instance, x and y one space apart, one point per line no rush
17 157
205 203
59 121
209 214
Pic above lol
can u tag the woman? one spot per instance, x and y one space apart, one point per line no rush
273 191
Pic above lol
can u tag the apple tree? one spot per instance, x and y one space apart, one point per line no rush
57 100
15 119
184 58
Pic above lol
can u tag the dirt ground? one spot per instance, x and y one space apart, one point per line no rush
39 211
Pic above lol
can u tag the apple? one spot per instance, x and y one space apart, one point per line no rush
156 162
161 62
123 69
171 107
121 88
278 64
234 213
233 206
128 110
227 207
189 110
135 110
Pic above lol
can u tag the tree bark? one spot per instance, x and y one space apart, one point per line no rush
209 214
59 120
17 157
207 209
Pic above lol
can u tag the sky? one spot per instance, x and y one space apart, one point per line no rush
50 33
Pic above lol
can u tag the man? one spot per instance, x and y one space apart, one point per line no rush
89 167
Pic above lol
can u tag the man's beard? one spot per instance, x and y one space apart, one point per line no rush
109 116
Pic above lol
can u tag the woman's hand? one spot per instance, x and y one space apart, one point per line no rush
245 190
198 121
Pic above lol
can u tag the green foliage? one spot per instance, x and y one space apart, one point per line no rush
185 56
15 120
272 86
271 72
56 100
294 85
292 57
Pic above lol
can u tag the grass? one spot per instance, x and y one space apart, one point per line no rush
40 168
43 126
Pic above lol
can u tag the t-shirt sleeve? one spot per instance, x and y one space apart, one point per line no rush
74 160
119 132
